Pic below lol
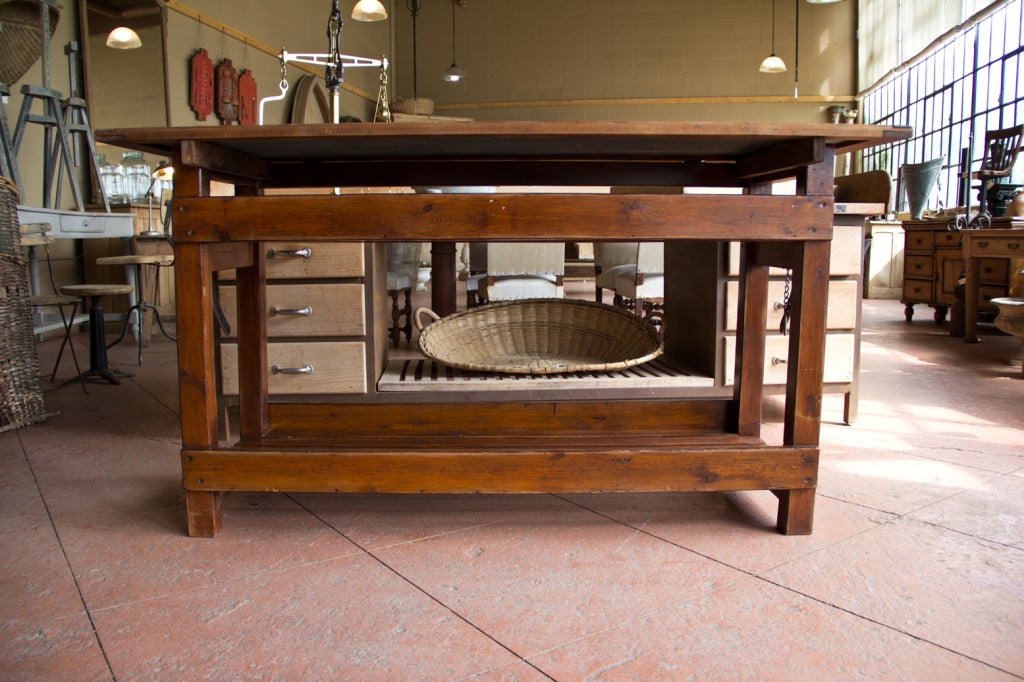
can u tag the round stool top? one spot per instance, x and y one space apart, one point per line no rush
154 259
52 299
37 239
82 290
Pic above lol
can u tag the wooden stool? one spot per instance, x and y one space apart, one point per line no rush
97 336
60 301
141 305
35 235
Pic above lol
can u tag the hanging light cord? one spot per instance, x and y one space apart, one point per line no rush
453 31
796 57
414 9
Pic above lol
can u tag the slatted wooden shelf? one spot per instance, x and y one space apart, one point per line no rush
427 375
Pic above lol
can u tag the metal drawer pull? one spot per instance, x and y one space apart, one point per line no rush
1013 246
307 311
779 305
778 361
308 369
304 253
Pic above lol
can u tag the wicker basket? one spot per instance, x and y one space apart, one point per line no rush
540 336
422 106
22 43
21 398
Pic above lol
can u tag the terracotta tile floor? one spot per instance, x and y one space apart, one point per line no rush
915 570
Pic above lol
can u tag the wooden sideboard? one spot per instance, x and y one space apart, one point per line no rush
934 264
1003 243
682 428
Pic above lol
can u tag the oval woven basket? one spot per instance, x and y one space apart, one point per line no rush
22 37
540 336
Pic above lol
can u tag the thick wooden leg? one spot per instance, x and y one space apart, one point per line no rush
204 513
796 511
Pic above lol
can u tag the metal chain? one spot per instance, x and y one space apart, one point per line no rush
784 323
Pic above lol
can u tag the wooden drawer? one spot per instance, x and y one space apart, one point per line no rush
839 353
1000 246
920 239
917 291
335 367
304 260
306 309
987 293
847 250
994 271
946 238
918 267
840 314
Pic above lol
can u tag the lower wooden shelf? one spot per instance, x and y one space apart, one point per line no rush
428 375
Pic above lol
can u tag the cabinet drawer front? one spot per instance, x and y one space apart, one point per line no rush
994 270
839 350
987 293
918 266
947 238
333 367
924 239
847 250
1000 246
326 259
306 309
917 290
841 312
303 260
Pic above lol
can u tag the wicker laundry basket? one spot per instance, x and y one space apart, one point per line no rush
22 37
21 398
539 336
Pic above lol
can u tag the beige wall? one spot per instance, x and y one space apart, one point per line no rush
649 59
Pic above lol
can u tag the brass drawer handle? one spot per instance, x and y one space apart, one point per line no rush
779 305
308 369
1013 246
306 312
778 361
303 253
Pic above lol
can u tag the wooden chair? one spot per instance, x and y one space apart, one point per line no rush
523 270
1001 150
34 235
403 264
641 286
610 260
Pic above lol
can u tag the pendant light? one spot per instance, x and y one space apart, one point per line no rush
369 10
772 63
123 38
454 73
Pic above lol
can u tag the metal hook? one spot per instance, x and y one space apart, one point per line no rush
283 85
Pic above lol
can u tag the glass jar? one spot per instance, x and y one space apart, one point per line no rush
112 179
137 178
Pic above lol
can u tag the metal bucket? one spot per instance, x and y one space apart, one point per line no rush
918 182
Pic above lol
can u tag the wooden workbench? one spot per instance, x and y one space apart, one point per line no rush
695 434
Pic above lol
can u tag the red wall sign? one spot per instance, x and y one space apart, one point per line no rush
227 92
201 92
247 98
